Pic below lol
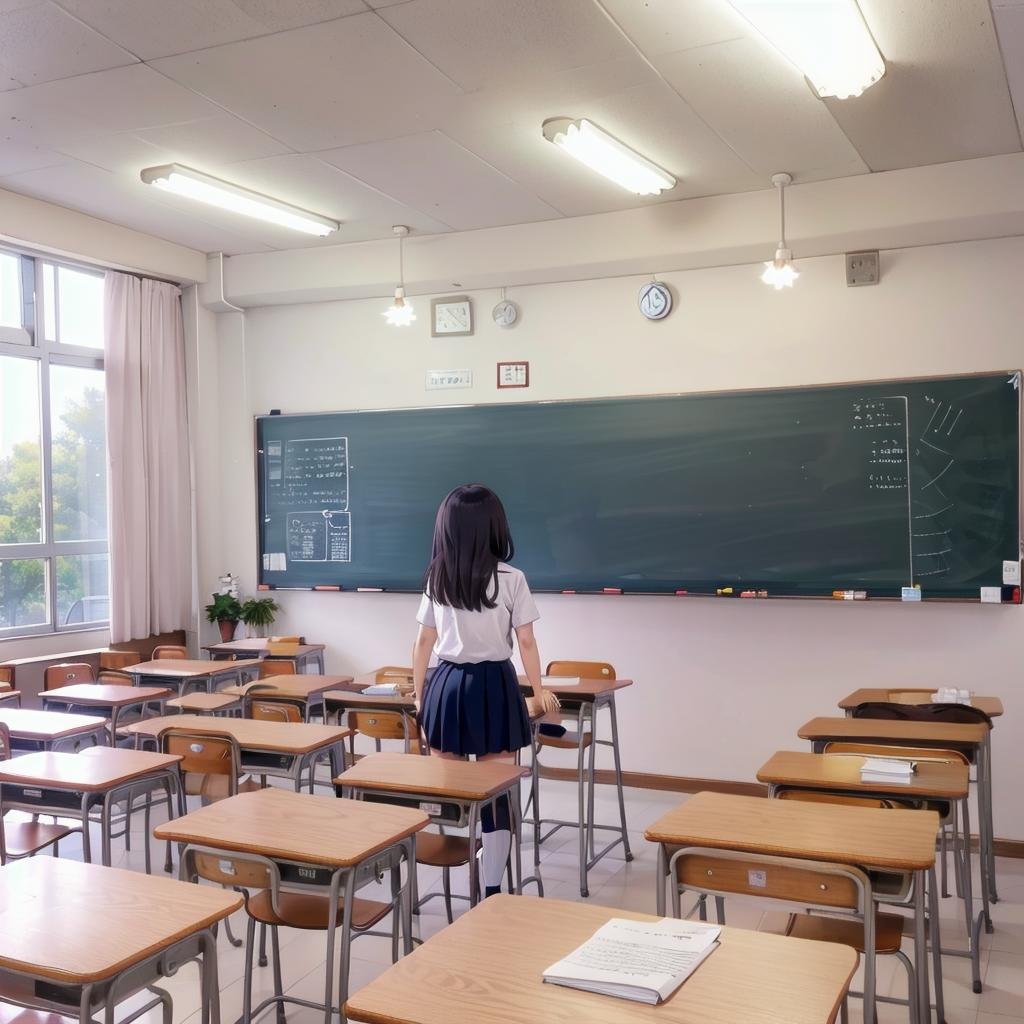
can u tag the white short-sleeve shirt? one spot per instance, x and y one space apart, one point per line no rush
465 637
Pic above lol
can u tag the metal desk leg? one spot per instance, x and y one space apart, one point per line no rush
618 776
920 950
474 864
661 881
936 937
986 750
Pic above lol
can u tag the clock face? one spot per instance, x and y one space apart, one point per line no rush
505 313
655 301
453 316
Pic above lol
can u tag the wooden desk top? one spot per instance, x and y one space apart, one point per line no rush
76 923
583 688
182 668
992 706
296 826
199 701
942 780
10 695
888 840
487 968
892 731
299 687
358 701
278 737
259 643
105 695
26 724
432 776
92 771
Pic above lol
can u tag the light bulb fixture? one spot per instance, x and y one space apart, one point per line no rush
827 40
604 154
780 272
400 313
204 188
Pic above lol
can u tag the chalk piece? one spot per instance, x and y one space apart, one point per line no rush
1011 571
369 590
681 593
838 595
263 586
860 595
327 588
568 591
991 595
910 594
611 590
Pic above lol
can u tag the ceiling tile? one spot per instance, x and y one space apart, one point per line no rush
41 43
213 140
481 42
16 157
432 173
336 84
667 26
310 183
158 28
763 111
944 95
1009 18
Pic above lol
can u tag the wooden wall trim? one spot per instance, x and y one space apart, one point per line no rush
683 784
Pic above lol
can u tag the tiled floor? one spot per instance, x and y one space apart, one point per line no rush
615 883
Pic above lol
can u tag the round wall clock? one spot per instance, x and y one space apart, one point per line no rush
505 313
655 301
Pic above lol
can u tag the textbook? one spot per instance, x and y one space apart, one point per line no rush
643 961
887 769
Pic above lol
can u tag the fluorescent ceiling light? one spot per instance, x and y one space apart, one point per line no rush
827 40
601 152
184 181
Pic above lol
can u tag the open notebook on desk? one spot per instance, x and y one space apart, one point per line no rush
644 961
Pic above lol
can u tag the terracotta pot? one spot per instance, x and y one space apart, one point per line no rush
227 630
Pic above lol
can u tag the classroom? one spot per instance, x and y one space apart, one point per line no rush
510 511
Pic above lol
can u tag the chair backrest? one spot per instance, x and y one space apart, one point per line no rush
583 669
170 652
5 742
224 867
383 725
203 754
67 674
111 677
962 714
813 797
287 640
393 674
278 667
7 674
119 659
809 883
274 711
903 753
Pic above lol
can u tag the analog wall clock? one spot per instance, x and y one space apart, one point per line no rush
655 300
505 313
451 317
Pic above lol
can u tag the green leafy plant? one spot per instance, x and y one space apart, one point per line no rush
259 612
224 608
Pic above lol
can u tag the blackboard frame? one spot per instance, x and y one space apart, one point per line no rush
1008 596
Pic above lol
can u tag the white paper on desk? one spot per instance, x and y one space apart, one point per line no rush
561 680
638 960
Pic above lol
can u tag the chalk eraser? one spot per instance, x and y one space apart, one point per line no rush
327 588
611 590
568 591
263 586
681 593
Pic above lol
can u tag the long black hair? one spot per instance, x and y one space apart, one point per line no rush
471 536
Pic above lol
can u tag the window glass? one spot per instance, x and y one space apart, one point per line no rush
79 308
49 302
78 455
23 599
10 290
21 489
83 586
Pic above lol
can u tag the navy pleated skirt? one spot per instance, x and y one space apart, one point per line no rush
475 709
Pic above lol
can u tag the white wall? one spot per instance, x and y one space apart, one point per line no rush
720 684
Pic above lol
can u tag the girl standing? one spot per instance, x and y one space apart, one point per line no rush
473 601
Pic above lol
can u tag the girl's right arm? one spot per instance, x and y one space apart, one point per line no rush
530 654
421 650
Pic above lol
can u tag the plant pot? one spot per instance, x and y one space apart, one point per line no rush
227 629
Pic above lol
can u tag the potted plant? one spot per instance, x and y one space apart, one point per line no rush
258 613
225 609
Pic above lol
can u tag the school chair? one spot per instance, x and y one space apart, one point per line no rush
119 659
67 674
114 677
210 766
841 892
20 839
380 725
6 677
170 651
278 667
393 674
258 879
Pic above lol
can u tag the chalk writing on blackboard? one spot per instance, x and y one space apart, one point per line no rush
319 536
311 473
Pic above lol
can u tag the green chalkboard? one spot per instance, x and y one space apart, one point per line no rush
801 491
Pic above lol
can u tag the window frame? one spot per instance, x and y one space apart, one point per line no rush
47 354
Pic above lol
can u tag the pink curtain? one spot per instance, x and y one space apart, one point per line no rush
147 454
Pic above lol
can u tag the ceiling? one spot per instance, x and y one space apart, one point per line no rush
428 112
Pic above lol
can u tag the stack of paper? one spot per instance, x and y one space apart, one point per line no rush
951 695
382 690
561 680
644 961
887 769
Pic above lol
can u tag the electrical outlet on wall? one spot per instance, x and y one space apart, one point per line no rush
862 268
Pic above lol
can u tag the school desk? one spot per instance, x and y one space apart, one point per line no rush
78 785
200 703
339 702
284 749
185 675
970 738
52 730
992 706
103 699
893 845
329 847
584 698
488 967
452 792
256 647
934 781
305 691
76 938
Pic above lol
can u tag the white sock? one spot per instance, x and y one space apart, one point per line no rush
497 846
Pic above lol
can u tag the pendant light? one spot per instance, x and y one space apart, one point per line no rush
780 272
400 313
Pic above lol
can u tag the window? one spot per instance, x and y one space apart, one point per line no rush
54 566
